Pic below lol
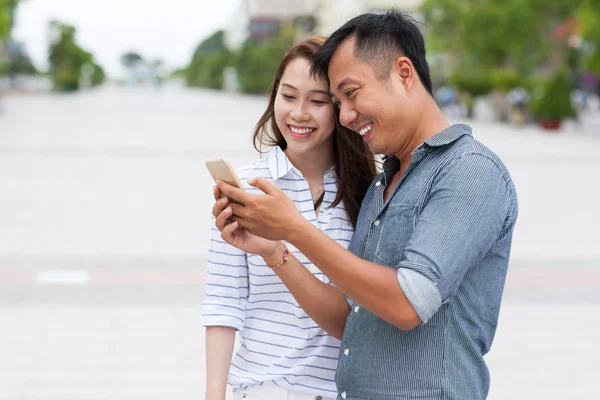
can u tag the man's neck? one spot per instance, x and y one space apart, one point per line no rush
431 122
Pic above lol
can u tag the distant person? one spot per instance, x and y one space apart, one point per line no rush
325 170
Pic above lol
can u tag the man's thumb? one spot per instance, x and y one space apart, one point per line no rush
262 184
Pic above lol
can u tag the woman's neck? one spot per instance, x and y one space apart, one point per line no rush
312 165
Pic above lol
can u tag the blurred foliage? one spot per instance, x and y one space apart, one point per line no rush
255 63
7 9
553 100
19 64
589 17
489 34
131 59
67 60
477 84
209 62
481 83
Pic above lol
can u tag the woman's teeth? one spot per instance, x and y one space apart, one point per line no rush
302 131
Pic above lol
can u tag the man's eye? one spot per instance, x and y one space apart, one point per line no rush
349 92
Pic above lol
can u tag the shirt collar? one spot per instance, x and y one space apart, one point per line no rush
279 166
391 164
449 135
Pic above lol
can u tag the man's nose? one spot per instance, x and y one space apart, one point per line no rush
347 116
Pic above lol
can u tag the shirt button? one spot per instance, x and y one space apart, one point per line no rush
356 308
344 395
325 212
346 352
376 222
378 183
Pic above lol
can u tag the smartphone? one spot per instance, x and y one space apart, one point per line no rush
221 170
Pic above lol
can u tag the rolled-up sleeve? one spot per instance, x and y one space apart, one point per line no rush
463 218
226 284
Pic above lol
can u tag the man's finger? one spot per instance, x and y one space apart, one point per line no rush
239 210
239 195
244 223
263 184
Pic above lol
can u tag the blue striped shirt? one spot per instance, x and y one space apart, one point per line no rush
279 341
446 229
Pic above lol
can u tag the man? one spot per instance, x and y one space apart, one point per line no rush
417 296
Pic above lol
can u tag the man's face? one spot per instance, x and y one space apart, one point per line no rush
378 109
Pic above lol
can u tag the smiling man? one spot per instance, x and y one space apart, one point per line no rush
417 294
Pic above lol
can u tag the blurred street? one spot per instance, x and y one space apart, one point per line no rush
105 205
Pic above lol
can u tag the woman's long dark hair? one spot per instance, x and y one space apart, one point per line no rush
354 162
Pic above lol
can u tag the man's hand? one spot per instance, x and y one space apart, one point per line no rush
271 216
235 235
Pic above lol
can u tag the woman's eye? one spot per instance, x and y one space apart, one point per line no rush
319 102
288 97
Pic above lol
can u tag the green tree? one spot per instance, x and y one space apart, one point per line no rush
209 62
257 62
553 101
515 35
67 59
7 10
589 17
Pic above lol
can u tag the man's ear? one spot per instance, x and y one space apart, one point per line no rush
404 70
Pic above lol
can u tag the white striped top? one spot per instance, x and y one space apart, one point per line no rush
280 343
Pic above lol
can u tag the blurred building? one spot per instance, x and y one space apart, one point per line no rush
258 20
332 14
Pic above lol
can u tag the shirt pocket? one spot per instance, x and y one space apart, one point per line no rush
397 224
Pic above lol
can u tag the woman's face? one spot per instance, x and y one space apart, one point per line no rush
303 109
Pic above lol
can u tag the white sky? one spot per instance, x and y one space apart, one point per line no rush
169 30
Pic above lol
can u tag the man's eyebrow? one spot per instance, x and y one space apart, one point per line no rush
345 82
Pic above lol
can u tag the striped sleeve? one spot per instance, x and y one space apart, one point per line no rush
226 284
463 218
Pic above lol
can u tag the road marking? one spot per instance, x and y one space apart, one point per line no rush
62 277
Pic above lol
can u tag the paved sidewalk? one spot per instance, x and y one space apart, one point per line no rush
104 207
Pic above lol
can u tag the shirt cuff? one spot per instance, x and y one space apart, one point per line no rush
421 292
214 315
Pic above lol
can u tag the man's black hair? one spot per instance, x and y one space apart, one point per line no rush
379 40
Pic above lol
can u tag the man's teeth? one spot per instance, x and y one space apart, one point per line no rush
364 130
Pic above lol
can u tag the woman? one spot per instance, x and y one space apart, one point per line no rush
326 169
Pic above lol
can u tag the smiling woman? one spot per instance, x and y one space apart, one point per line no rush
325 170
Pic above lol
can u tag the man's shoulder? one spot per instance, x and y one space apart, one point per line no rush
469 151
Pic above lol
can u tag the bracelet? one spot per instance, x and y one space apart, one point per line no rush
286 257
